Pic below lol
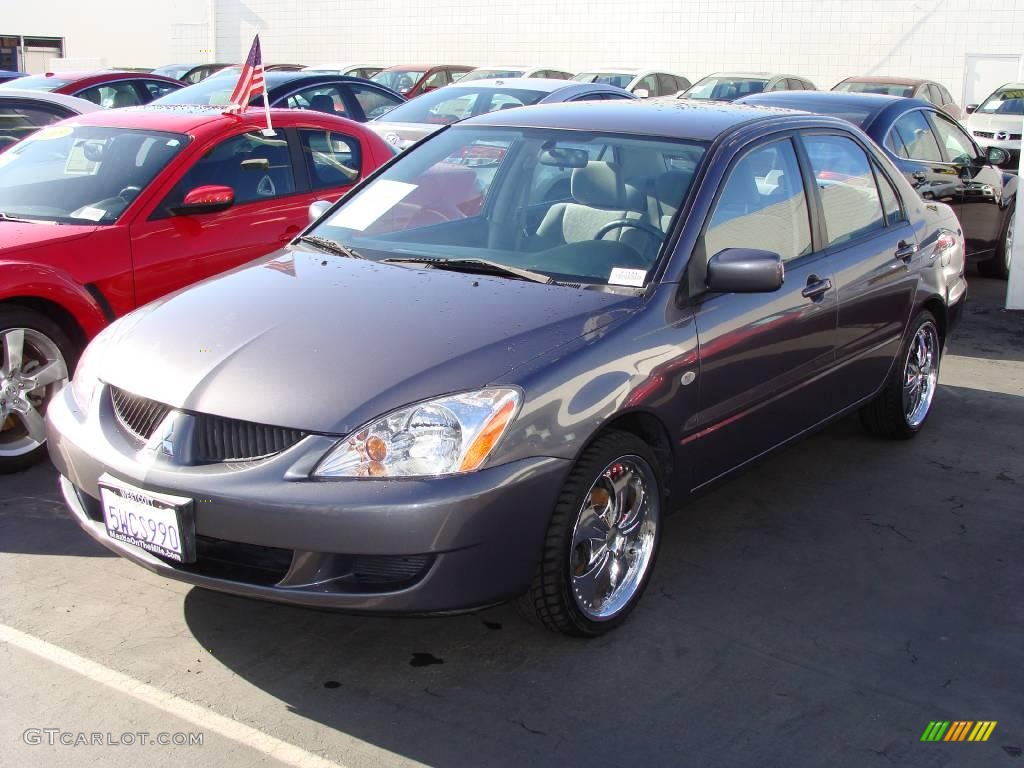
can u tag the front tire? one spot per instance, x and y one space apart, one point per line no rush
999 265
899 412
35 358
602 539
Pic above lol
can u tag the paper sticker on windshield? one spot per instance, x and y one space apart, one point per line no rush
631 277
371 204
53 132
90 213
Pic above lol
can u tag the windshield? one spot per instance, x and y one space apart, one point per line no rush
618 79
449 105
36 83
575 206
725 88
491 74
885 89
214 91
175 71
401 80
1007 101
82 174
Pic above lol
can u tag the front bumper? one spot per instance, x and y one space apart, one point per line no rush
265 530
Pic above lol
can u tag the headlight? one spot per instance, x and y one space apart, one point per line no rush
86 381
448 435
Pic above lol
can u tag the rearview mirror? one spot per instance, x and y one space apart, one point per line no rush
210 198
318 208
564 157
745 270
997 156
642 93
970 108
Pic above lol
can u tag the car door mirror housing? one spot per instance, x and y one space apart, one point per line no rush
971 108
745 270
210 198
318 208
997 156
642 93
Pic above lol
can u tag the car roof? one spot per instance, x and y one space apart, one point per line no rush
423 67
760 75
1008 85
670 118
184 118
546 84
890 80
71 102
834 102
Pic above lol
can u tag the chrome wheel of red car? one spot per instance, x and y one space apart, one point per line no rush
32 368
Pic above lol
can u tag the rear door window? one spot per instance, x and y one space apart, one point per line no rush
955 145
916 140
332 158
321 98
112 95
154 89
438 79
374 103
846 186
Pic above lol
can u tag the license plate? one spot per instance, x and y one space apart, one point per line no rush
155 522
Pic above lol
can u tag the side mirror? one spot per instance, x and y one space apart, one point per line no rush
210 198
997 156
745 270
318 208
642 93
970 108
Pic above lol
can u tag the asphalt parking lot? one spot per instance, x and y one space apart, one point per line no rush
820 610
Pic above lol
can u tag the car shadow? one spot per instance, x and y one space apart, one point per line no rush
34 520
846 586
988 330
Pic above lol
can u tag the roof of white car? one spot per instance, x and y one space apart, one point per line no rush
81 106
331 67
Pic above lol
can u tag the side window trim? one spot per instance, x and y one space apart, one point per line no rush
933 117
881 177
935 135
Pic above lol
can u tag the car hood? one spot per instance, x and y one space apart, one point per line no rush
402 135
324 343
15 236
984 122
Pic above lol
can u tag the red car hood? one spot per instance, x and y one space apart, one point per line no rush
16 237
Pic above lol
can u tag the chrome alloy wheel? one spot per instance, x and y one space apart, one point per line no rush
614 538
31 369
1008 241
921 374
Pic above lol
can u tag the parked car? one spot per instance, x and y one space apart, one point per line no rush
997 121
937 157
365 71
643 83
411 80
351 97
405 125
111 89
729 86
190 74
535 380
7 74
148 201
507 72
908 88
22 113
282 67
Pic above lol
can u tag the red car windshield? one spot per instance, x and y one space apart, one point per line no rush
82 174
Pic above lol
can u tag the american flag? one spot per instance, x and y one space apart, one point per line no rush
250 82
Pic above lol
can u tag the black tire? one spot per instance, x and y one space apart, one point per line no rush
999 265
12 316
886 416
549 599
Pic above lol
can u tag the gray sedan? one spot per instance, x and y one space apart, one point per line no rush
490 370
408 123
25 112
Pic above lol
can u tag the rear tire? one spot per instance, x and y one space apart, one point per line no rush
901 409
602 539
999 265
31 345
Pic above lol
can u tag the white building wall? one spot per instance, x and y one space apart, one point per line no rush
824 40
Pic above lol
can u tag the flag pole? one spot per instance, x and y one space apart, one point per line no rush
269 130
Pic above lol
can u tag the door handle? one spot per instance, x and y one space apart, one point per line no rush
815 287
905 250
289 234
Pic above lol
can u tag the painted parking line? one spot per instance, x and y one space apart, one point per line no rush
286 753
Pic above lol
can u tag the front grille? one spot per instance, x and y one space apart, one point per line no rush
219 439
214 438
139 415
388 569
992 135
235 561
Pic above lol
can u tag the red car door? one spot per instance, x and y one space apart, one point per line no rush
172 248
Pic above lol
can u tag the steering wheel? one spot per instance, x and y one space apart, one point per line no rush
129 193
643 226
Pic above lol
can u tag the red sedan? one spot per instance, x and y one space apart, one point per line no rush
108 88
104 212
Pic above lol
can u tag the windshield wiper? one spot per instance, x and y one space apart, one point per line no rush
8 217
331 246
479 266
